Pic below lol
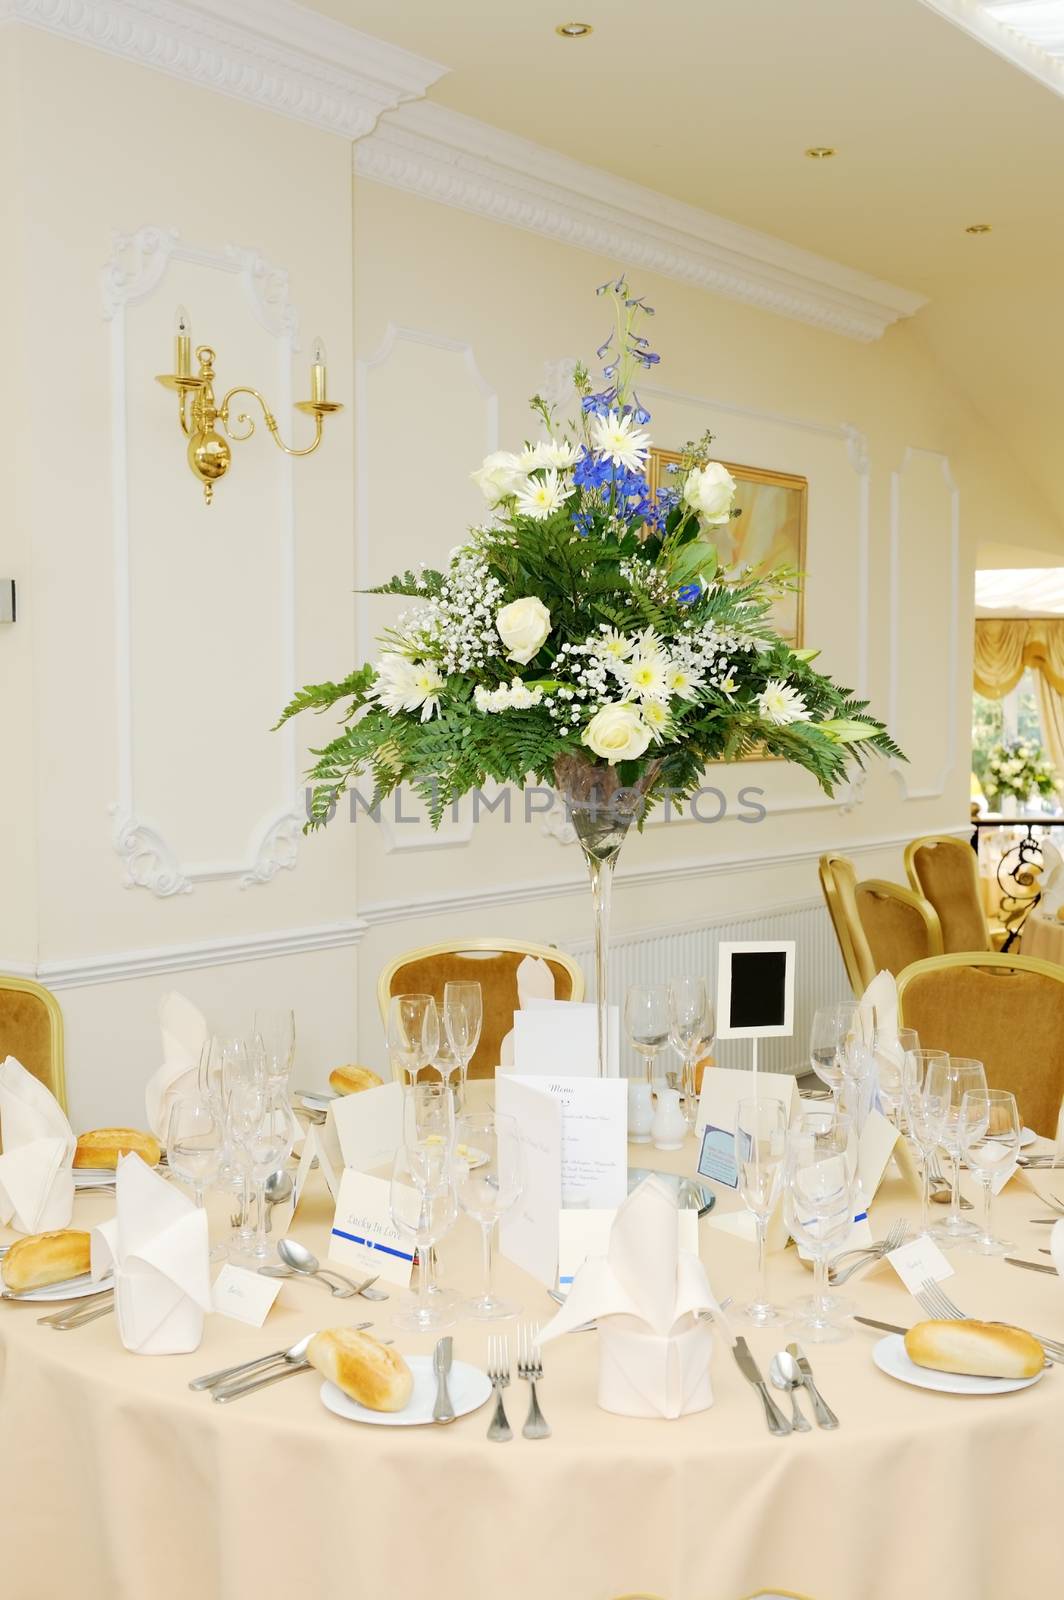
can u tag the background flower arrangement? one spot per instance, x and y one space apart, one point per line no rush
1018 769
586 623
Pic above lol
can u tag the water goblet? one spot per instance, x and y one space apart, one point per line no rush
820 1188
646 1022
965 1075
989 1127
195 1149
691 1029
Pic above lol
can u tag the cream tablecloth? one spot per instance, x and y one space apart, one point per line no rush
116 1481
1044 937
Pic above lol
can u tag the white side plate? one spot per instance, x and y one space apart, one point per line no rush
72 1289
890 1357
468 1388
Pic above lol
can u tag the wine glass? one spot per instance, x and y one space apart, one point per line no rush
760 1145
263 1128
857 1062
965 1075
819 1193
489 1177
831 1026
424 1205
463 1017
989 1128
276 1032
429 1113
690 1028
195 1149
890 1071
646 1022
925 1091
413 1032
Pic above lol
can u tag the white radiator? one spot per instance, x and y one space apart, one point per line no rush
655 955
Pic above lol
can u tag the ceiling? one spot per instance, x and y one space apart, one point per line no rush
715 102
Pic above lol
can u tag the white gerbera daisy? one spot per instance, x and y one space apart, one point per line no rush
613 645
646 677
779 704
541 497
655 714
403 685
683 681
618 438
548 453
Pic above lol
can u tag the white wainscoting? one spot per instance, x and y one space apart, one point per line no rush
654 955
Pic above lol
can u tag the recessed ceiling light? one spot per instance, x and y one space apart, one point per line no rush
979 227
574 30
821 152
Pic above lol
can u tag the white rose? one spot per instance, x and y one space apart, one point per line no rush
617 733
709 491
499 476
522 626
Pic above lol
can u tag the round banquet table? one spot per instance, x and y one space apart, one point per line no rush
1044 937
116 1481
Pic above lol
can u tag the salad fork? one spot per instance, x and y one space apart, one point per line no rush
530 1369
499 1430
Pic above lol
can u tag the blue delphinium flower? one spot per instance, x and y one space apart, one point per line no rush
689 593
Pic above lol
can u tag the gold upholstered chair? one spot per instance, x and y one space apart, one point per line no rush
946 872
492 963
1006 1011
838 881
901 927
31 1030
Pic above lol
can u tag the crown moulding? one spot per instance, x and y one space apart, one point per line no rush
271 53
442 155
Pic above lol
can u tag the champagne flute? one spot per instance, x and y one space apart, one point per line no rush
489 1177
989 1126
760 1144
463 1018
413 1032
690 1027
965 1075
925 1092
819 1194
646 1022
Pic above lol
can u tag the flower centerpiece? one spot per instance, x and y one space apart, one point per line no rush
1016 770
585 634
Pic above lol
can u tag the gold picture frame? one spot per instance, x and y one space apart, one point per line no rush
771 532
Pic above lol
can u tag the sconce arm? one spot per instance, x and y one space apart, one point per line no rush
270 421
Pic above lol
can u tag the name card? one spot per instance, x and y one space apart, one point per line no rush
369 1126
587 1233
724 1087
919 1259
363 1233
716 1159
245 1296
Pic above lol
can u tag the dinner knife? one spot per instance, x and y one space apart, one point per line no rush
442 1356
1032 1266
777 1422
825 1417
884 1327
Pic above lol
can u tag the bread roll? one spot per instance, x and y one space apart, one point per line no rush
984 1349
370 1372
352 1080
43 1258
103 1146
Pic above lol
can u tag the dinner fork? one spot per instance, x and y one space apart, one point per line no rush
936 1302
499 1429
897 1234
530 1369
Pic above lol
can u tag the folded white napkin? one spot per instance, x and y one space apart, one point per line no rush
645 1293
184 1031
157 1245
36 1181
535 981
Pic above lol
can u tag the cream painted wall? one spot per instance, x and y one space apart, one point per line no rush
456 320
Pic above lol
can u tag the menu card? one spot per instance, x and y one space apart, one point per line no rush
528 1235
369 1126
554 1037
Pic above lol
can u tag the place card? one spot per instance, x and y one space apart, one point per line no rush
363 1233
560 1038
528 1235
245 1296
919 1259
369 1126
587 1233
724 1087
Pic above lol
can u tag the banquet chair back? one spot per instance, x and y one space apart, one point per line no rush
946 872
492 963
31 1030
1006 1011
901 927
838 881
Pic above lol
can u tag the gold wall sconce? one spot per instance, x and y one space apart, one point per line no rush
209 454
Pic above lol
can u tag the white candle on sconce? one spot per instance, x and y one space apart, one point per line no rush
317 370
182 344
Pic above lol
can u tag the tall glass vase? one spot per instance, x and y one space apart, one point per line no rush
601 809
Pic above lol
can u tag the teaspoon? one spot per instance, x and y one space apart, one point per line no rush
784 1374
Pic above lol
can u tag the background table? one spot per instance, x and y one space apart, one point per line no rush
1044 937
117 1481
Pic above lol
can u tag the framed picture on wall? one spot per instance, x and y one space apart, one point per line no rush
770 533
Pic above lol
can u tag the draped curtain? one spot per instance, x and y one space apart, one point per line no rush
1005 647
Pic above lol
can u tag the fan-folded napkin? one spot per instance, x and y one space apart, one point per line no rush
157 1245
645 1294
535 981
184 1032
36 1181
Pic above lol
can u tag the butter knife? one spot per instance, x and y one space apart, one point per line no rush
825 1417
1032 1266
777 1422
442 1356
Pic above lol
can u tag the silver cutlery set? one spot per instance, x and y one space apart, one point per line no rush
530 1370
897 1234
790 1371
296 1261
